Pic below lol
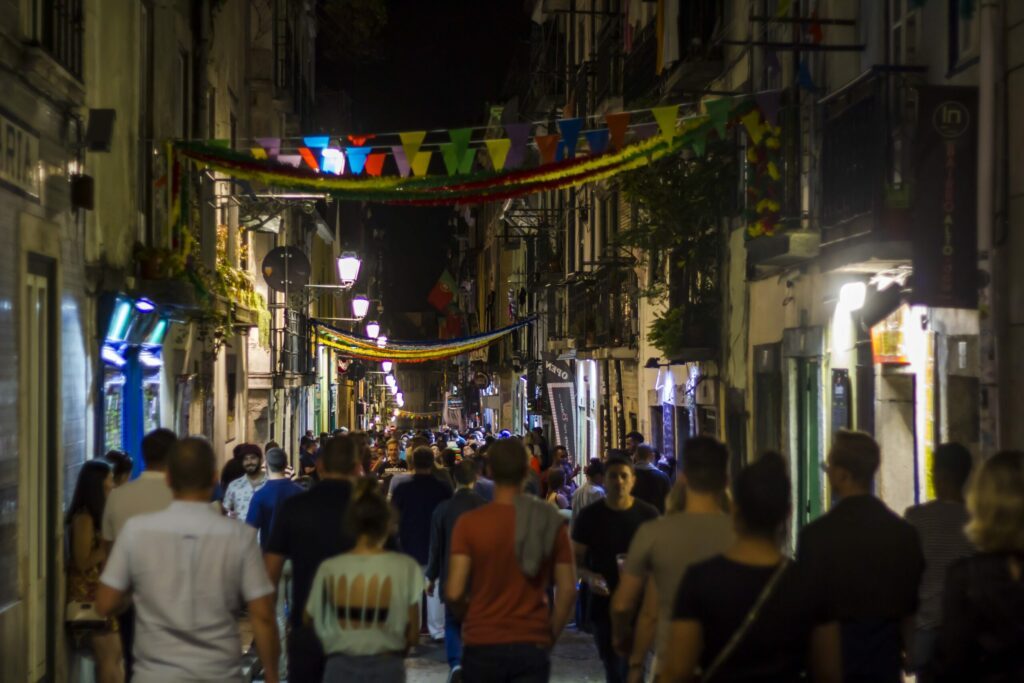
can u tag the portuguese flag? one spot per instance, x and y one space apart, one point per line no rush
442 293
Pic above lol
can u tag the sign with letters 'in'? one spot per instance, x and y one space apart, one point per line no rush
19 156
945 243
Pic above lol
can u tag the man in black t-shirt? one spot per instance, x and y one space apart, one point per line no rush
652 485
307 529
602 534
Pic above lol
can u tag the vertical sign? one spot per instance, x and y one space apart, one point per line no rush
840 400
558 377
945 249
19 156
668 429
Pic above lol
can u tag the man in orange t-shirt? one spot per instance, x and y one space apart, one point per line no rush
508 625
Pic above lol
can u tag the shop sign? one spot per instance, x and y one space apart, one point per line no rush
945 249
19 156
558 377
889 339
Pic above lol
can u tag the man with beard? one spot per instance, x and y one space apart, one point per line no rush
241 490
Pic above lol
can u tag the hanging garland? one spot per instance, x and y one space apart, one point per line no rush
364 348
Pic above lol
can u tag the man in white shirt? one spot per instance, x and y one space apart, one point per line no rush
241 490
189 571
148 493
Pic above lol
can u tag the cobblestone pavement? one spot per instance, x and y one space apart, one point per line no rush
573 660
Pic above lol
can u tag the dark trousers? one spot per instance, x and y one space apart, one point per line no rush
305 656
871 651
616 668
126 627
507 663
452 638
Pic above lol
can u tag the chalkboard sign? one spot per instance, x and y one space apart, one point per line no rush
563 415
668 429
840 400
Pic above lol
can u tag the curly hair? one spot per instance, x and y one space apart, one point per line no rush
995 500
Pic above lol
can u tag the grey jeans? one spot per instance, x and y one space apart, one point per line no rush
386 668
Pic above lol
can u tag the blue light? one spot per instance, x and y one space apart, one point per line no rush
156 336
119 321
145 306
111 356
317 141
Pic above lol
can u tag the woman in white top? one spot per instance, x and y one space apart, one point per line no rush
365 604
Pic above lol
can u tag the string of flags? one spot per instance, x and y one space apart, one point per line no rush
355 346
527 159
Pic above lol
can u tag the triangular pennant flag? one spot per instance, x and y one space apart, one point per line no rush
718 110
768 103
618 124
316 141
699 142
360 140
752 122
332 160
518 134
272 145
666 118
421 163
814 31
498 150
294 160
466 164
258 153
357 158
771 61
560 151
645 130
570 129
411 142
451 157
547 145
401 160
460 138
597 140
223 143
804 77
375 164
309 158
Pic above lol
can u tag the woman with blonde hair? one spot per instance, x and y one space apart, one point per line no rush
982 635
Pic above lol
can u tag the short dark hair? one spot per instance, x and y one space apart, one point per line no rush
450 457
269 445
156 446
952 463
120 462
368 512
422 458
636 436
340 455
508 459
191 465
277 460
595 468
556 479
705 464
761 493
618 461
857 453
645 451
465 472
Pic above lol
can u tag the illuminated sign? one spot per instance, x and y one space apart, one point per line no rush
19 157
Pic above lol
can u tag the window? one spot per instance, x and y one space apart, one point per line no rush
57 26
905 27
963 34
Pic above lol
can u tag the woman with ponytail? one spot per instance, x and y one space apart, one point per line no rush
365 604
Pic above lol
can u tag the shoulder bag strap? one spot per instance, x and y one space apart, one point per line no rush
748 621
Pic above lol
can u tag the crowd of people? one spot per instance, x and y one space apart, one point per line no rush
375 541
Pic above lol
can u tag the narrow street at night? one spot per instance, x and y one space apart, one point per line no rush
511 341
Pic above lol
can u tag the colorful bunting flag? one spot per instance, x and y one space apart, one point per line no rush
460 137
597 140
332 160
666 118
450 155
443 292
700 142
357 158
468 157
646 130
570 129
294 160
498 149
752 122
547 145
804 77
618 124
316 141
768 103
309 158
375 164
411 143
258 153
272 145
402 161
518 134
718 110
814 31
360 140
421 163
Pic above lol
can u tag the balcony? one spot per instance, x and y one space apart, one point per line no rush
546 82
639 72
701 60
602 312
608 65
865 149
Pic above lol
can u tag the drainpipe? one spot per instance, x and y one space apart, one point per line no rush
989 306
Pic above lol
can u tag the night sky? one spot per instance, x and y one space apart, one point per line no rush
441 64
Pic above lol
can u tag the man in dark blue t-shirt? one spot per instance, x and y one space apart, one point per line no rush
415 500
268 500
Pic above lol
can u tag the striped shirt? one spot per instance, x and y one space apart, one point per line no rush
940 525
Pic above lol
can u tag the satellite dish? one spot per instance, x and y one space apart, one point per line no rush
356 371
282 261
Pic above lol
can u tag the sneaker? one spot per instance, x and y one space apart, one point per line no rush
455 675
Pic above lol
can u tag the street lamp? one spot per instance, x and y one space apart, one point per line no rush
360 306
386 366
348 268
372 329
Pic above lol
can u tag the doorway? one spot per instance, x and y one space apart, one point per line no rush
39 423
808 424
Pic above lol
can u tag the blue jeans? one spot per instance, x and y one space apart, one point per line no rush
452 638
507 663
